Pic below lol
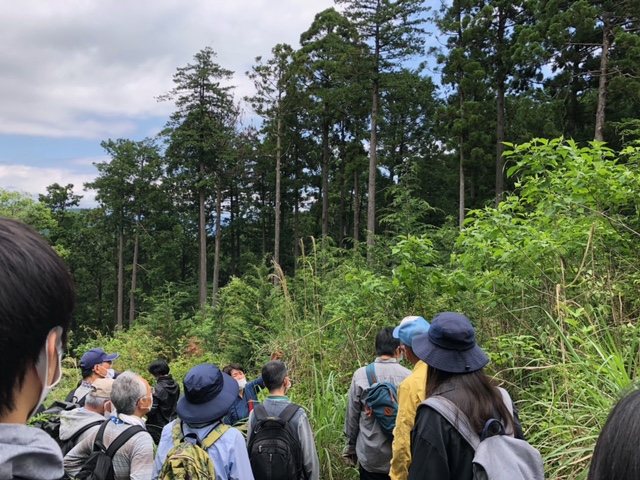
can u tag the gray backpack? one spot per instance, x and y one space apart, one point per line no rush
498 455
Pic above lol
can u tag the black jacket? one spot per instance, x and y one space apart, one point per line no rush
163 411
438 451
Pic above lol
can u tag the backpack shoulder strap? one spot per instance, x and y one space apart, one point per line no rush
289 411
98 443
507 400
260 412
122 439
86 427
214 435
455 417
371 374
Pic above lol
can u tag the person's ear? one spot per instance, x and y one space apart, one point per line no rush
54 349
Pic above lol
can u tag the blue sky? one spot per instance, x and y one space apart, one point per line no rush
75 73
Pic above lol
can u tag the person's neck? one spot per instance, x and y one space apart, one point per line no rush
386 357
24 399
278 392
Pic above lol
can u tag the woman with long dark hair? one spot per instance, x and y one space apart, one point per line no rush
455 372
616 452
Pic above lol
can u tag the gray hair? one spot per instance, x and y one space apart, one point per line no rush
127 389
95 402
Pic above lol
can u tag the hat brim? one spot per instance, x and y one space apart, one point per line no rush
110 357
452 361
213 409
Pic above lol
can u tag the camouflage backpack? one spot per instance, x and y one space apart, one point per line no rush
189 459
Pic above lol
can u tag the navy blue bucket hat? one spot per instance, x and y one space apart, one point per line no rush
450 345
208 395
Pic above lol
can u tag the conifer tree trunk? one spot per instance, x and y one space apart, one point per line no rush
202 244
134 273
325 180
373 145
120 294
276 246
216 257
356 210
602 85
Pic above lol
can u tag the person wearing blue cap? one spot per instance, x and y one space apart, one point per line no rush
208 395
411 393
456 372
94 364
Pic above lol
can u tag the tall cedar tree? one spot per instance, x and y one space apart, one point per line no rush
199 137
393 31
123 187
271 80
332 61
467 129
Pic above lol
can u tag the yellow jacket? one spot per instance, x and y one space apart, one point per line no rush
411 392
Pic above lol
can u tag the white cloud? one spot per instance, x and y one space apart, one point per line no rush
92 69
35 180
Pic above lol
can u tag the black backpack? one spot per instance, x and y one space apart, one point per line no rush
274 448
99 466
50 423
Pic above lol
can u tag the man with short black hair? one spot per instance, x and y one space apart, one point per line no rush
37 298
132 398
366 442
276 380
165 398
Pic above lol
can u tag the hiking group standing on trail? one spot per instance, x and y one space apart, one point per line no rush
446 419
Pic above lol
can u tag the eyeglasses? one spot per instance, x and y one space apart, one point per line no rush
153 391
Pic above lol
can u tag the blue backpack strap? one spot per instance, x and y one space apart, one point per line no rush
371 374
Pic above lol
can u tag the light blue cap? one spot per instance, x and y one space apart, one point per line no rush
409 328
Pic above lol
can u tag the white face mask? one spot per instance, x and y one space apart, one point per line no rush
111 373
242 383
42 367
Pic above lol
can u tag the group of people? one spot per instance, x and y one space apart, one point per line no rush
447 363
212 401
37 298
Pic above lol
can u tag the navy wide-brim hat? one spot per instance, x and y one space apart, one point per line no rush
450 345
208 394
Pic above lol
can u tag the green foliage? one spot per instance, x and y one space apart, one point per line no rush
22 207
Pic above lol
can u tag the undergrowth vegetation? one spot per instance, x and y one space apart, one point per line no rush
549 279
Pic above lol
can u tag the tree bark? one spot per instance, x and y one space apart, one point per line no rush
500 143
325 180
202 244
461 184
276 245
602 85
216 255
134 273
373 145
120 301
356 210
500 108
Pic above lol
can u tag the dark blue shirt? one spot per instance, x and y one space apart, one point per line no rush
239 411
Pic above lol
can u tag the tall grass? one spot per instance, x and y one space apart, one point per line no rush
567 380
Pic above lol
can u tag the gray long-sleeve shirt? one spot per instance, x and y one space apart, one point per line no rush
300 423
373 446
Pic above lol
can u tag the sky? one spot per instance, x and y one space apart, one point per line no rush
77 72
